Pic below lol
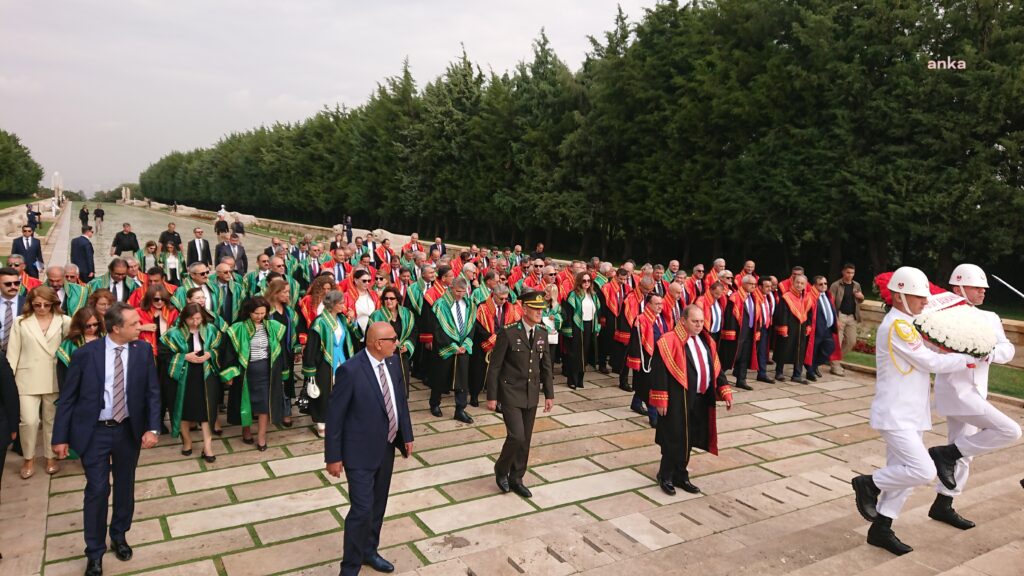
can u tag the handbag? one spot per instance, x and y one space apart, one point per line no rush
312 390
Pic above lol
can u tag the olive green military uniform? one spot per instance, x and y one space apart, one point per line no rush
519 369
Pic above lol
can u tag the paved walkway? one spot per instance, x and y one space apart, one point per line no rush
776 500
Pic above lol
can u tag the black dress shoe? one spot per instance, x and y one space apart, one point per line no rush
799 381
666 486
474 403
945 458
122 550
94 568
209 459
580 385
942 510
625 387
248 440
687 486
867 496
766 380
435 411
186 452
502 482
521 489
743 385
880 534
378 563
780 378
604 370
261 447
811 376
461 416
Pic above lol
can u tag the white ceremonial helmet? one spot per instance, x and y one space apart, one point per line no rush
909 280
968 275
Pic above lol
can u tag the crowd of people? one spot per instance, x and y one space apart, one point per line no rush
230 345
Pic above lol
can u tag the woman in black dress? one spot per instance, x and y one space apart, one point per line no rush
278 295
189 349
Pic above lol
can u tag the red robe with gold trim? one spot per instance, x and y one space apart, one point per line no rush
682 428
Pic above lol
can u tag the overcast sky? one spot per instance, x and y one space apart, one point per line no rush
99 90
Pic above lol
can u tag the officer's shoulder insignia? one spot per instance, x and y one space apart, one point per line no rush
906 331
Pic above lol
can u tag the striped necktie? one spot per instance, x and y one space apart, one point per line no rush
389 404
120 409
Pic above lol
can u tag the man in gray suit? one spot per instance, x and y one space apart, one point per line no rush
520 366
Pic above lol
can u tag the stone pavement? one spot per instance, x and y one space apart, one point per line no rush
776 500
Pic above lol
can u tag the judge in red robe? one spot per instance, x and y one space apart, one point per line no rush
686 383
612 342
649 328
792 326
741 331
632 308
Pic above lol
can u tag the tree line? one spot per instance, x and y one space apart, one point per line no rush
19 173
789 131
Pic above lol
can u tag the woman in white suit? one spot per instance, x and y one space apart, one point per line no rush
32 353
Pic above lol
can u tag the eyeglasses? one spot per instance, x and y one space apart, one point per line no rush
381 278
386 298
12 284
92 325
392 339
158 299
206 273
586 281
42 305
698 271
70 277
538 265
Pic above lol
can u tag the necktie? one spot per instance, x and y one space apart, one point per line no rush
316 267
120 409
750 311
26 244
530 338
677 312
389 404
8 321
702 369
339 272
658 328
458 315
498 318
827 309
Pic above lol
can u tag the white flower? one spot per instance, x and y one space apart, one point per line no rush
958 329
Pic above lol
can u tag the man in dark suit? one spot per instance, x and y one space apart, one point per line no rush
439 246
82 255
108 408
521 367
198 249
12 301
271 250
232 248
826 329
29 248
367 418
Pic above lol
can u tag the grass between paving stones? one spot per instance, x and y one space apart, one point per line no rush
1001 379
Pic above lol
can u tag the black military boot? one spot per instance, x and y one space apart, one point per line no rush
942 510
880 534
867 496
945 458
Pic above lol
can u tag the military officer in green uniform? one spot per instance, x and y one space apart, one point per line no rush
519 368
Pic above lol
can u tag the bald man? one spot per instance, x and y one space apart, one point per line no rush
367 418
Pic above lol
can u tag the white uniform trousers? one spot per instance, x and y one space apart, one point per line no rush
907 465
974 435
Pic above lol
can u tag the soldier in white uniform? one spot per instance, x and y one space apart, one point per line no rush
974 425
900 409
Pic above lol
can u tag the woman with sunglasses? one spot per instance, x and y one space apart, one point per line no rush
401 320
172 263
252 357
329 342
86 326
32 352
579 327
360 302
552 319
278 295
189 351
156 317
